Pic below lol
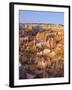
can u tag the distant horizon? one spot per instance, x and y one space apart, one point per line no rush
41 17
42 23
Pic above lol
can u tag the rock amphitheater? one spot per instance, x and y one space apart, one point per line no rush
41 50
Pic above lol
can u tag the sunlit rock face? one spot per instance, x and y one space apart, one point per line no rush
41 51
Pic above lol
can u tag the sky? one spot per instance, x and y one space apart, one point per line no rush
28 16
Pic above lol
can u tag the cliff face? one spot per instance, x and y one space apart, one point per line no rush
42 46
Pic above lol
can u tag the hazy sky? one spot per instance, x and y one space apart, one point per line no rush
28 16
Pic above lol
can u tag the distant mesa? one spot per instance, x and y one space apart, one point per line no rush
36 25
